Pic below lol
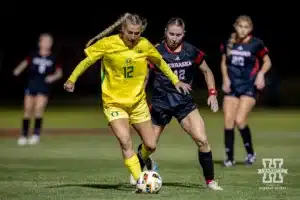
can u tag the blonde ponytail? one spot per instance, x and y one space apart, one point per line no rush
231 42
108 30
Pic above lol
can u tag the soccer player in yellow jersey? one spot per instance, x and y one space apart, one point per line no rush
124 59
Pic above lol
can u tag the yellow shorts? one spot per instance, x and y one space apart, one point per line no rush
136 114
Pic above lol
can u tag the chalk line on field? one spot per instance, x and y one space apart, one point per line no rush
15 132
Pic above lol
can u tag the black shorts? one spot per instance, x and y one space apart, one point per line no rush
161 116
243 90
36 91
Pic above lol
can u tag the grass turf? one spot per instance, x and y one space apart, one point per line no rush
90 166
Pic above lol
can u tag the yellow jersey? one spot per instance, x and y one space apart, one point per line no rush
124 69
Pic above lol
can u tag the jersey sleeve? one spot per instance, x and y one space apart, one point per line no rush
262 50
151 65
58 66
150 75
223 49
80 68
57 63
94 53
28 59
156 58
200 57
97 50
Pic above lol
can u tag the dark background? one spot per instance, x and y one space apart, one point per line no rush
73 24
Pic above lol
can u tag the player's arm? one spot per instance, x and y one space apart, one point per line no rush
81 68
21 67
210 82
263 54
149 75
56 75
223 64
151 66
147 78
266 64
94 53
224 68
209 76
155 57
226 86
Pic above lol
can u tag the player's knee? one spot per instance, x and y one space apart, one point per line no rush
128 153
125 142
150 145
204 143
201 140
38 113
127 147
27 112
240 121
28 109
229 121
40 106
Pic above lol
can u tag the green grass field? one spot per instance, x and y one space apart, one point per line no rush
89 166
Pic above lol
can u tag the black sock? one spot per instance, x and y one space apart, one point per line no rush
246 135
25 127
142 162
206 162
229 143
38 126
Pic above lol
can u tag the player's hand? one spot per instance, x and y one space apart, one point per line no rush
226 85
260 81
212 101
183 87
16 72
69 86
49 79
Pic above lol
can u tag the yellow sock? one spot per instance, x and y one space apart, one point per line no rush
133 164
145 153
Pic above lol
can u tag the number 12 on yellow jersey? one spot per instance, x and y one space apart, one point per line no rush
128 71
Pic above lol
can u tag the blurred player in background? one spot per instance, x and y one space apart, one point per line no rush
124 69
184 60
242 77
43 71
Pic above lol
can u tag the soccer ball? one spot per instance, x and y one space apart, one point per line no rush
149 182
